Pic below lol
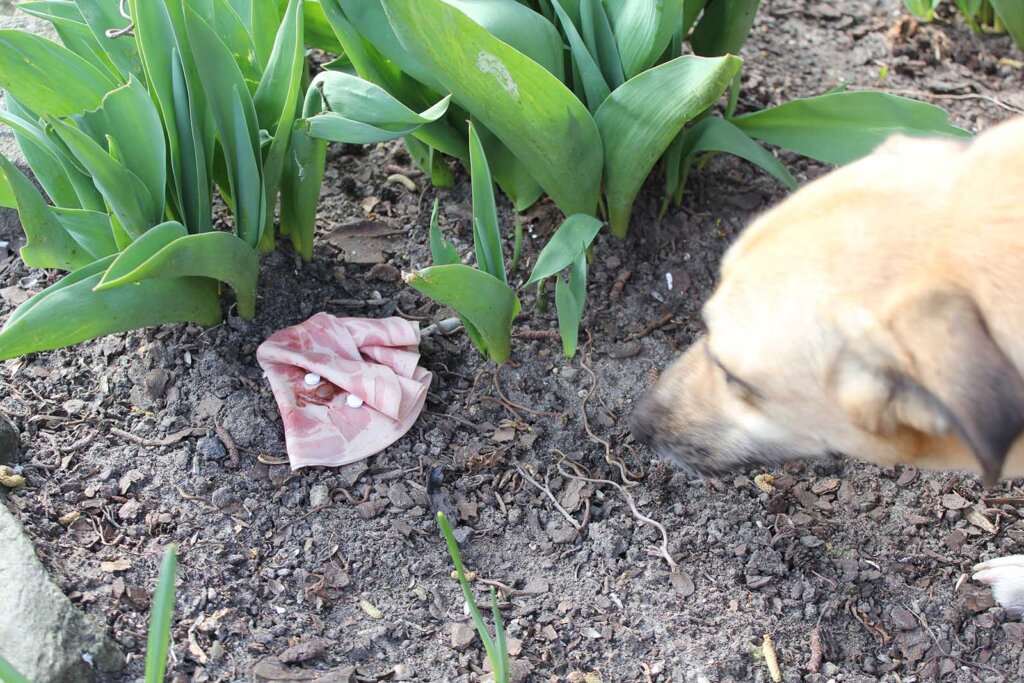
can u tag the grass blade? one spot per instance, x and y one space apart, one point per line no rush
161 614
442 252
8 674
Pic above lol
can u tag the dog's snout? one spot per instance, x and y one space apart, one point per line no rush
644 421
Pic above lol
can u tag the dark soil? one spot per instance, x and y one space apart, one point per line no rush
137 440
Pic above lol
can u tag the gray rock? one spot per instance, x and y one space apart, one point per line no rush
41 632
211 448
10 441
319 495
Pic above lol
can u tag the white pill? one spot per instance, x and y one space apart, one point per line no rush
312 379
668 280
353 401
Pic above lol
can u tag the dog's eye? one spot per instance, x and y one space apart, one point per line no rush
741 389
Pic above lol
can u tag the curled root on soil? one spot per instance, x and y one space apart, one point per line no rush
662 550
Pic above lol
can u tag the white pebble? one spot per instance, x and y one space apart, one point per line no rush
353 401
668 280
311 379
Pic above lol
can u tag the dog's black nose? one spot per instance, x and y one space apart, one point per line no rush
643 423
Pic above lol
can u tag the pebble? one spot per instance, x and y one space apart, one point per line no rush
211 448
463 635
319 495
10 441
903 618
223 497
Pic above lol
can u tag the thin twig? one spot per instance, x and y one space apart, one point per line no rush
662 551
554 501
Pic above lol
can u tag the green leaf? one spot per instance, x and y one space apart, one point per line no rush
167 251
570 300
318 32
70 311
521 28
842 127
922 9
127 196
276 102
49 78
594 86
1011 13
724 27
9 674
528 109
48 244
642 30
161 615
264 22
430 161
598 36
486 231
45 159
640 119
102 16
442 251
128 117
174 83
361 112
715 134
228 98
301 181
72 30
571 239
487 302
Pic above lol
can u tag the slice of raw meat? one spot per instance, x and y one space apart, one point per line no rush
346 387
1006 576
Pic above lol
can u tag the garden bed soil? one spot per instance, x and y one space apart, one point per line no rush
138 440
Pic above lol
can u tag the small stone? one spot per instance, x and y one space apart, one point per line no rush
405 672
211 448
384 272
903 618
682 583
954 540
130 510
954 501
156 383
10 441
400 497
463 635
1014 631
319 495
907 476
223 497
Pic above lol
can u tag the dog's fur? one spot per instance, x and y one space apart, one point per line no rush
878 312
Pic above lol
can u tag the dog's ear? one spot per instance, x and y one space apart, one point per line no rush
931 365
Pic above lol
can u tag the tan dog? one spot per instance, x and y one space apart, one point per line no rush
878 312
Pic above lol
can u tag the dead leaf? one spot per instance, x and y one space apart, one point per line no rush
129 478
981 521
954 501
364 241
116 565
303 651
371 609
503 434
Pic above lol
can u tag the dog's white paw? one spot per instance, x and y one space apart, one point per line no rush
1006 577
